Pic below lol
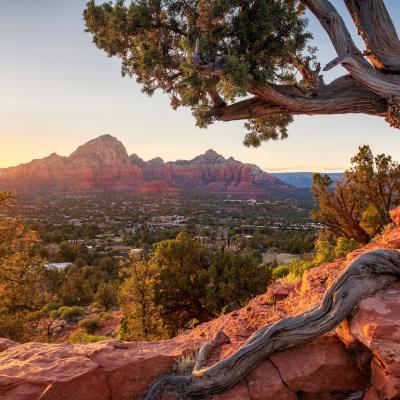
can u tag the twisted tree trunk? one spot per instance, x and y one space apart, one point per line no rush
364 276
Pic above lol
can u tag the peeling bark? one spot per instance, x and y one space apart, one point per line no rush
378 32
366 275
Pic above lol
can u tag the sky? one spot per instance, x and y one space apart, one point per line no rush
57 91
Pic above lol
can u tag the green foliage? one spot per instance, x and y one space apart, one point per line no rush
106 295
23 286
291 278
136 297
255 41
183 284
76 288
280 271
70 314
345 246
234 280
358 206
82 337
90 324
327 248
182 277
263 129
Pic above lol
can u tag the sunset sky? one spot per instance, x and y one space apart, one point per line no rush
58 91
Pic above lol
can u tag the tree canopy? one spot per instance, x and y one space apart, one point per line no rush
357 206
251 60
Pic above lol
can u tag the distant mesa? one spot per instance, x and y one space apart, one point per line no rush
158 187
103 164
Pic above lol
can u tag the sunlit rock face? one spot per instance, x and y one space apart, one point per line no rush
100 164
103 164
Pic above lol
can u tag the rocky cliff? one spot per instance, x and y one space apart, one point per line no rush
359 360
103 164
99 164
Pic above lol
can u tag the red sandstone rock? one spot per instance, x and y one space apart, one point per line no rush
265 383
156 187
280 292
6 344
395 215
99 371
376 325
372 394
103 164
320 366
99 164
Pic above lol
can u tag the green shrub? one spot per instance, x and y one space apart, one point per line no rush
49 307
83 337
106 316
280 272
290 278
90 325
70 313
55 314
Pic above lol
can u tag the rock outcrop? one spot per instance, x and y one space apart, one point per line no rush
100 371
360 360
100 164
103 164
212 173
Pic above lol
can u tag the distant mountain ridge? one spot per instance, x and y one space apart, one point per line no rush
303 179
103 164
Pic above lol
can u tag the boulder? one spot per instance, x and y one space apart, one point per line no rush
6 344
265 383
280 292
376 325
108 370
395 215
320 366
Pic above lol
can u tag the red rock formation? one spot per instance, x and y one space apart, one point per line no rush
100 164
100 371
103 164
157 187
212 173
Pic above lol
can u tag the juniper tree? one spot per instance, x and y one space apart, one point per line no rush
251 60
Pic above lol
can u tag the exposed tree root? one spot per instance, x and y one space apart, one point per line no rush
364 276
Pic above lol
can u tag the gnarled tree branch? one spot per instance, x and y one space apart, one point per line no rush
343 96
378 32
366 275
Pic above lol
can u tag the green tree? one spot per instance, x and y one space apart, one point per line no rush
142 319
23 289
76 289
208 54
234 280
106 294
357 206
182 280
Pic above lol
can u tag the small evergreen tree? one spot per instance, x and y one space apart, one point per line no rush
357 206
136 297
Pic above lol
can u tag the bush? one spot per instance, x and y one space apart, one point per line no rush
90 325
280 272
185 364
83 337
49 307
70 313
291 277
